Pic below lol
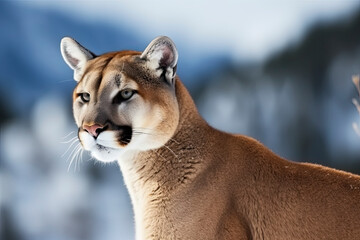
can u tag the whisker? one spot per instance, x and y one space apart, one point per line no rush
72 143
139 130
143 129
105 140
147 133
68 134
77 160
72 151
159 155
66 80
81 157
78 149
72 139
70 163
156 134
134 132
176 156
91 158
171 139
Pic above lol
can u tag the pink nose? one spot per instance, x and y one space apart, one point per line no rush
94 130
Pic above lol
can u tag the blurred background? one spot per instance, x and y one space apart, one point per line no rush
279 71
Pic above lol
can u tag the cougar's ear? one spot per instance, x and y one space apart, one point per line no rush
162 57
75 56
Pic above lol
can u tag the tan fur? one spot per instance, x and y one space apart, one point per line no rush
206 184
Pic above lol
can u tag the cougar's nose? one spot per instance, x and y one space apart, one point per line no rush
94 130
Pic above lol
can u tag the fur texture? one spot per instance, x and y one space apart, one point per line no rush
188 180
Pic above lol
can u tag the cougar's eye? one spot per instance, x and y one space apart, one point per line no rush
123 95
126 93
85 97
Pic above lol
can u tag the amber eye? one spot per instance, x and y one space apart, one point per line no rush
85 97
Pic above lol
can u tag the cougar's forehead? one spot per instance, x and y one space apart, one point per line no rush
118 69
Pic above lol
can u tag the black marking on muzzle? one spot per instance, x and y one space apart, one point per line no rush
124 135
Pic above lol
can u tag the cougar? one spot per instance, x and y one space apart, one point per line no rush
186 179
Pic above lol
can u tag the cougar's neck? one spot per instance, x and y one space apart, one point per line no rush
175 164
155 178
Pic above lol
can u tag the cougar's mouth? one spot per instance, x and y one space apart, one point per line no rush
109 144
115 138
111 138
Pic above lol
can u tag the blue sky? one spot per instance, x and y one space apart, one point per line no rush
245 30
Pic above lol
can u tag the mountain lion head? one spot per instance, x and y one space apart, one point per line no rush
123 101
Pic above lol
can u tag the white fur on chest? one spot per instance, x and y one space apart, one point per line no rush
139 194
